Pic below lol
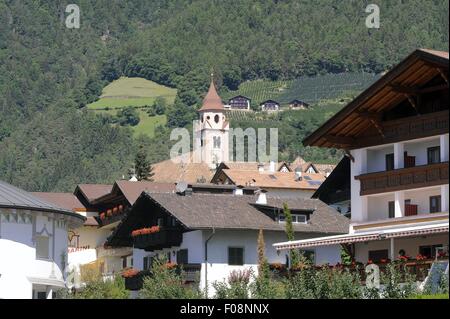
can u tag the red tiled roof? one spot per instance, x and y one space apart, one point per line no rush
64 200
93 191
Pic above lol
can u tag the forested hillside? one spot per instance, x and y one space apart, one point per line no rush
49 73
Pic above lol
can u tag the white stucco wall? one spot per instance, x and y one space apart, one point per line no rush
418 149
218 268
376 158
19 267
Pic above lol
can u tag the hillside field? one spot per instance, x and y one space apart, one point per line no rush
136 92
132 92
309 89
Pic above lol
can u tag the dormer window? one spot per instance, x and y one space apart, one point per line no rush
296 218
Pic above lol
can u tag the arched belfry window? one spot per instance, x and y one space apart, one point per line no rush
216 118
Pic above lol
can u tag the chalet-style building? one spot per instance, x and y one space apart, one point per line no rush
239 103
211 230
396 135
269 106
103 206
33 244
298 105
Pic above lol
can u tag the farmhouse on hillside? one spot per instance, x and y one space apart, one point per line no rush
239 103
269 106
298 105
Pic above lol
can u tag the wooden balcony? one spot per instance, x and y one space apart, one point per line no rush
165 238
136 282
403 129
404 178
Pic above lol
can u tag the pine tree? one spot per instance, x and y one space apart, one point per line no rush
142 166
294 256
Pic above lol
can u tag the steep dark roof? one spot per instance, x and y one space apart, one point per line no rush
298 101
242 96
268 101
16 198
336 187
222 211
131 190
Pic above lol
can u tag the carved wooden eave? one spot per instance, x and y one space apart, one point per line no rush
422 72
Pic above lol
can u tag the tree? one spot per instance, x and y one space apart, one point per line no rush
142 166
160 105
128 116
294 255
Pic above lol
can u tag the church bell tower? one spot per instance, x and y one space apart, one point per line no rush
212 129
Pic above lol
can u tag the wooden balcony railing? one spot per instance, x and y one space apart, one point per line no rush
404 178
165 238
408 128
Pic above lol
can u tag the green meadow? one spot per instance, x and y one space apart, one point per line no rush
135 92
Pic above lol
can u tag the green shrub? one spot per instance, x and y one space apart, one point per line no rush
398 282
98 288
166 283
237 286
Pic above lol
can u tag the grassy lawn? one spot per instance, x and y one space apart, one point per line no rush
134 92
147 123
118 103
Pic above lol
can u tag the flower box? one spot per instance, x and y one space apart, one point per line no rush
154 240
145 231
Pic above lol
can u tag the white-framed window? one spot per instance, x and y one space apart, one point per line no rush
296 218
42 247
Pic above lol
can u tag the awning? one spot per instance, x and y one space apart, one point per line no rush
54 282
363 237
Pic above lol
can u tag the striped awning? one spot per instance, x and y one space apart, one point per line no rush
363 237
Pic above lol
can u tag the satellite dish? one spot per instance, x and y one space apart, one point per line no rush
181 187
